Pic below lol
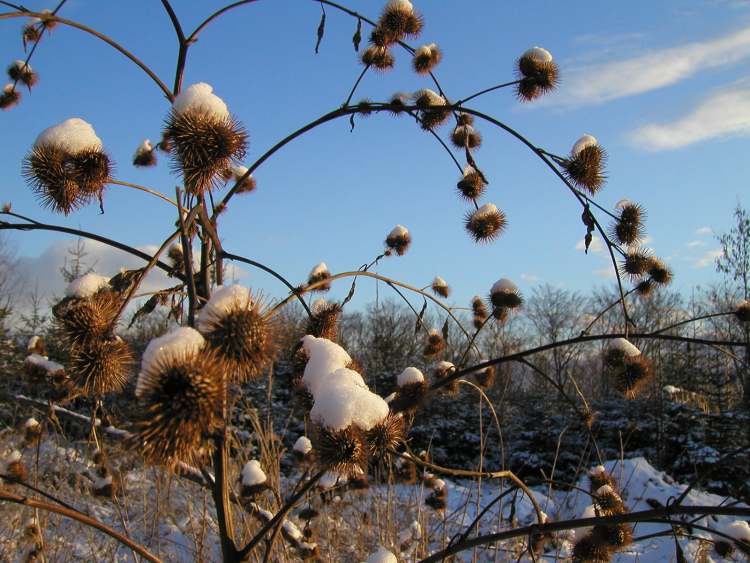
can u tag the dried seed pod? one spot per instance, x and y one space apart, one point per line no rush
67 167
145 154
181 387
343 451
608 501
100 366
636 263
658 271
398 240
426 58
386 435
239 174
471 185
486 223
324 321
21 71
505 293
486 377
10 96
628 228
442 371
412 391
318 274
397 21
206 139
465 136
239 330
380 58
742 312
440 287
585 167
435 344
591 549
537 72
86 319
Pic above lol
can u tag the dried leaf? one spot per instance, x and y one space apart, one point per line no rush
471 162
445 329
420 318
321 28
587 240
357 39
351 123
147 308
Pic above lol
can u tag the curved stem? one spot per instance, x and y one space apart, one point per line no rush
603 312
354 88
295 292
141 188
487 91
692 320
100 36
79 517
194 35
658 516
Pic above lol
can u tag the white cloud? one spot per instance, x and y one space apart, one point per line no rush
695 243
530 278
707 259
602 82
606 273
704 231
596 244
723 114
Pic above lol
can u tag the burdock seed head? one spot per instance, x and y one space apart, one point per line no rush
471 185
319 273
67 166
658 271
636 263
440 287
504 293
85 319
397 21
465 136
742 312
486 223
426 58
343 451
435 344
22 72
412 390
9 97
145 154
205 139
628 228
538 74
100 366
324 321
398 240
238 329
585 167
181 387
386 435
378 57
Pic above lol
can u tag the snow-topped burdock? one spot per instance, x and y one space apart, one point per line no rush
205 138
398 240
398 20
435 343
67 165
628 228
464 135
504 295
486 223
239 330
145 154
426 58
739 531
471 185
11 465
21 71
32 431
585 166
537 72
302 448
10 96
440 287
252 479
318 276
324 320
239 174
630 369
434 108
411 392
181 387
742 311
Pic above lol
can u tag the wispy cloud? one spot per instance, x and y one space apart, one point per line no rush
707 259
695 243
704 231
725 113
606 273
603 82
529 278
596 244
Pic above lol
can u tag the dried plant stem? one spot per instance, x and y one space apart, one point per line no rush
141 188
79 517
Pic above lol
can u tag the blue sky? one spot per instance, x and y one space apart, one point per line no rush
662 85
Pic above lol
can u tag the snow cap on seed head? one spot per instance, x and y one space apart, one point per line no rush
181 342
200 98
410 375
73 135
582 143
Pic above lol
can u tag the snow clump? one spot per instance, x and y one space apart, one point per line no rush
200 98
86 285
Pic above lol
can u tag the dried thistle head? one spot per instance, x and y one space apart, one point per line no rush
9 97
465 136
67 166
438 498
628 228
426 58
591 549
585 167
633 376
658 271
205 139
644 288
176 259
486 223
100 366
618 351
32 431
434 109
181 388
21 71
89 318
319 273
435 344
239 174
636 263
342 451
398 102
324 321
145 154
412 391
471 185
386 435
505 293
397 21
538 74
31 33
380 58
240 331
442 371
616 536
598 478
440 287
608 501
398 240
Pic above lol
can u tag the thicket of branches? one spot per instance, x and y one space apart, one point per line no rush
189 389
